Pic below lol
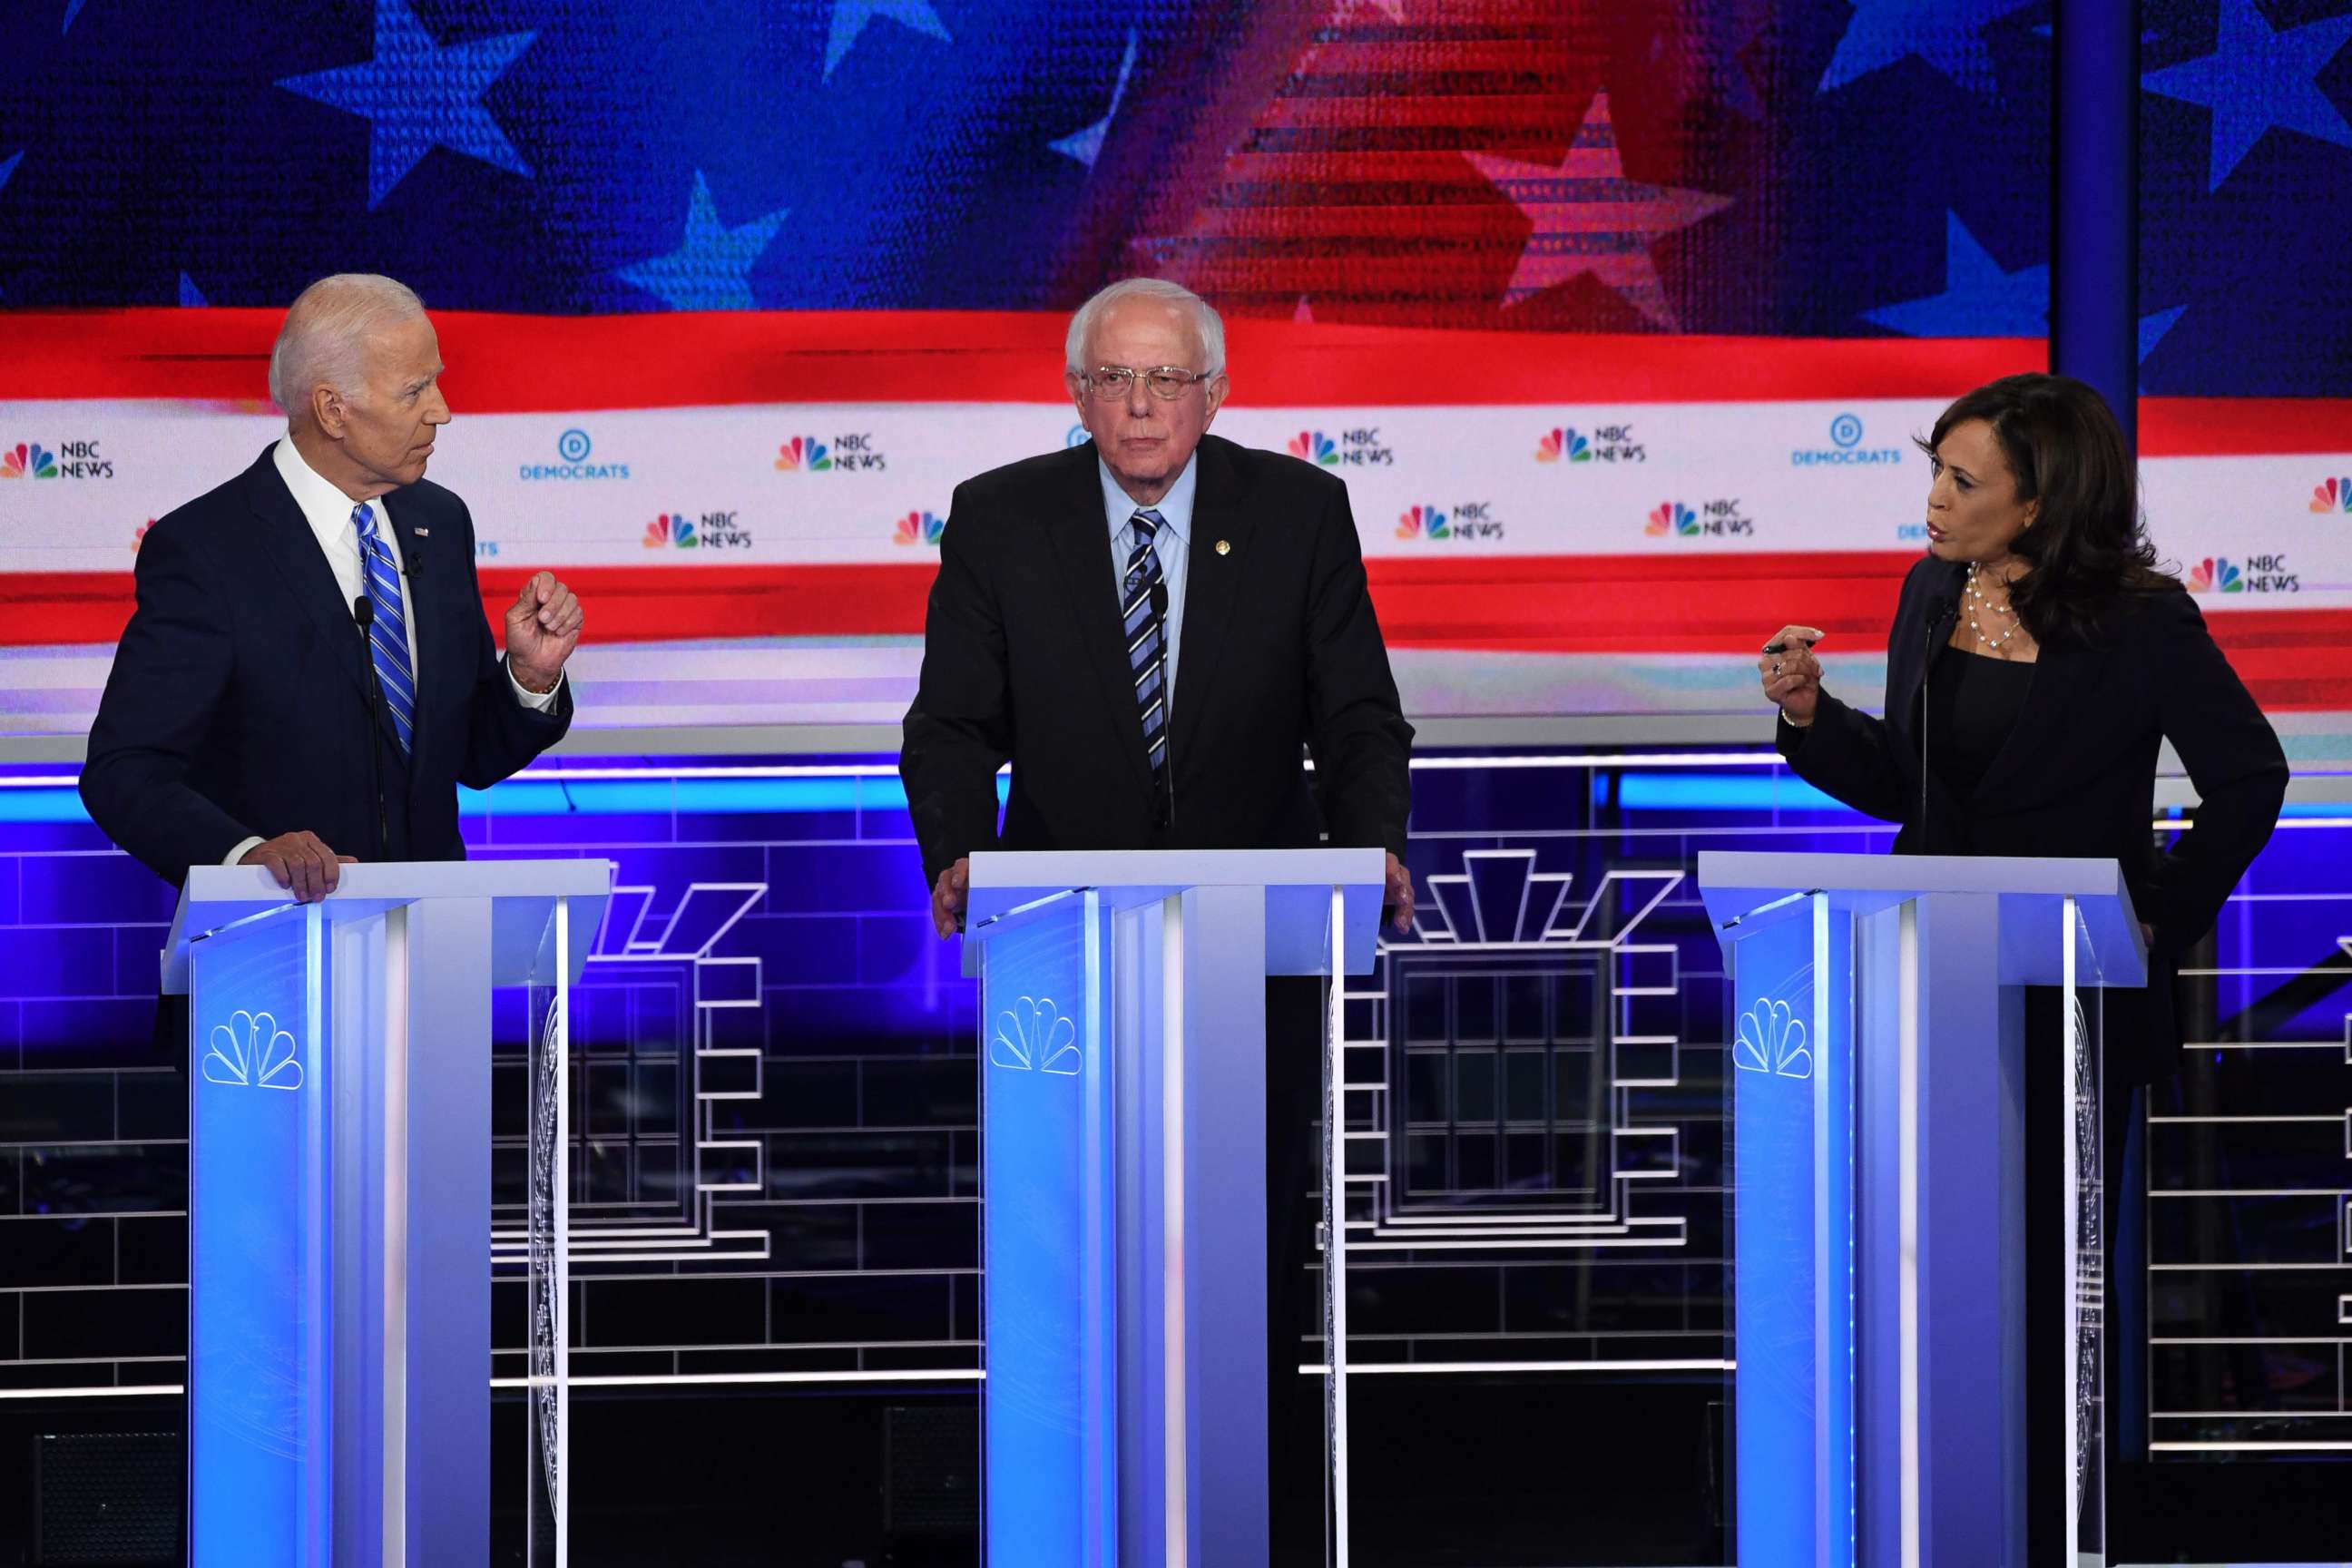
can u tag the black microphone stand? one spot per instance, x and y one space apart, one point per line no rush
364 614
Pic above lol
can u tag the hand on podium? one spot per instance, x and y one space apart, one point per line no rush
300 862
1398 896
947 896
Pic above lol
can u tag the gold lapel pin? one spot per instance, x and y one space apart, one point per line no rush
1223 548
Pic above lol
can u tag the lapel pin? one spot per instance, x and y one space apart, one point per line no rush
424 533
1223 548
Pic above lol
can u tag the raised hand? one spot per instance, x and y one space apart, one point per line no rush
542 628
1791 675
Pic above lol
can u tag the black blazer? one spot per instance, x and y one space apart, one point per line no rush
238 704
1023 660
2077 775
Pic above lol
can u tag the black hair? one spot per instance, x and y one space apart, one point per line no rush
2087 545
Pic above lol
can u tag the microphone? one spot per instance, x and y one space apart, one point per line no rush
1941 609
363 613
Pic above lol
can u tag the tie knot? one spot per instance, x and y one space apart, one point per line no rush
363 518
1146 523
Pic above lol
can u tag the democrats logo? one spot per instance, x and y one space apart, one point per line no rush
1467 523
1845 450
1358 448
1075 436
1717 519
918 528
572 450
71 460
2332 495
1605 444
852 454
2255 574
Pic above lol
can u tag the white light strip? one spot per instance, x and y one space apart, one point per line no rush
106 1393
1365 1369
727 1378
2251 1447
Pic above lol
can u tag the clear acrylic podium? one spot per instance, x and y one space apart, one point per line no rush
1123 1125
1876 1083
339 1333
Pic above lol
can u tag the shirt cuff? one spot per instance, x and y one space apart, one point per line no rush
538 702
245 847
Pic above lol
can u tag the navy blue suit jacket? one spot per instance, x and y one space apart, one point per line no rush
238 704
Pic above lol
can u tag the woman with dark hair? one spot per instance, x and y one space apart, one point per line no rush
2038 659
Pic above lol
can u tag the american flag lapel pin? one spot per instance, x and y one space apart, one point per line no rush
423 533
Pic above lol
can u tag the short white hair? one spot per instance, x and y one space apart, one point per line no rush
325 330
1207 325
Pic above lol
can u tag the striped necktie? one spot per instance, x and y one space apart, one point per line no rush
1143 610
388 635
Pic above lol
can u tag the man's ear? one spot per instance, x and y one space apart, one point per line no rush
328 408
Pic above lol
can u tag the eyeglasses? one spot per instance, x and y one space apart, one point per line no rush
1111 383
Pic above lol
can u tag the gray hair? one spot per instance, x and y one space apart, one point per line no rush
325 328
1207 325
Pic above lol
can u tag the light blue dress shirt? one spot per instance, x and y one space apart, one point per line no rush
1171 543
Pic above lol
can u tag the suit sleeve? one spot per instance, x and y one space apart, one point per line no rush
170 671
958 730
1847 755
1844 753
502 735
2234 759
1357 729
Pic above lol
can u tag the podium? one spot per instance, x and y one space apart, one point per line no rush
1877 1075
339 1161
1123 1127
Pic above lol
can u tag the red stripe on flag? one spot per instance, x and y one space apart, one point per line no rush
1722 605
530 364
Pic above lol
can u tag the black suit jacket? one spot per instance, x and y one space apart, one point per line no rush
2077 775
1023 660
238 704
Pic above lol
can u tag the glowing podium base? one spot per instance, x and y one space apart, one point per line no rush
339 1309
1123 1125
1877 1082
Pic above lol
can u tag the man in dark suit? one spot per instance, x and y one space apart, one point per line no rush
1079 591
309 674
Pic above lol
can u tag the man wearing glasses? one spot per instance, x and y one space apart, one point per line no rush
1153 628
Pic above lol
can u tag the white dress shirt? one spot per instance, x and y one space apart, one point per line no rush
1172 542
328 510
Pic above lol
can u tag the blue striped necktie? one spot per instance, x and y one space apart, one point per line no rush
388 635
1142 610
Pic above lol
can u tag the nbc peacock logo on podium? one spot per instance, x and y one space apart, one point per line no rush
250 1051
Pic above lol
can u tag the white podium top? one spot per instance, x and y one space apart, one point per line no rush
1298 883
1738 884
522 892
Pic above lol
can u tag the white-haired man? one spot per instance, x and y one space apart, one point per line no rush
1149 627
309 674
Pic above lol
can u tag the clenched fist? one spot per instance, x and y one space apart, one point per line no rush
542 628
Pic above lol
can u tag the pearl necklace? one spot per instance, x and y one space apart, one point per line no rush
1990 609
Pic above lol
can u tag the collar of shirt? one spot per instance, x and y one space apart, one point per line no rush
1175 509
328 510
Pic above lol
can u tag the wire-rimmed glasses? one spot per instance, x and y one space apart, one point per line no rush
1111 383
